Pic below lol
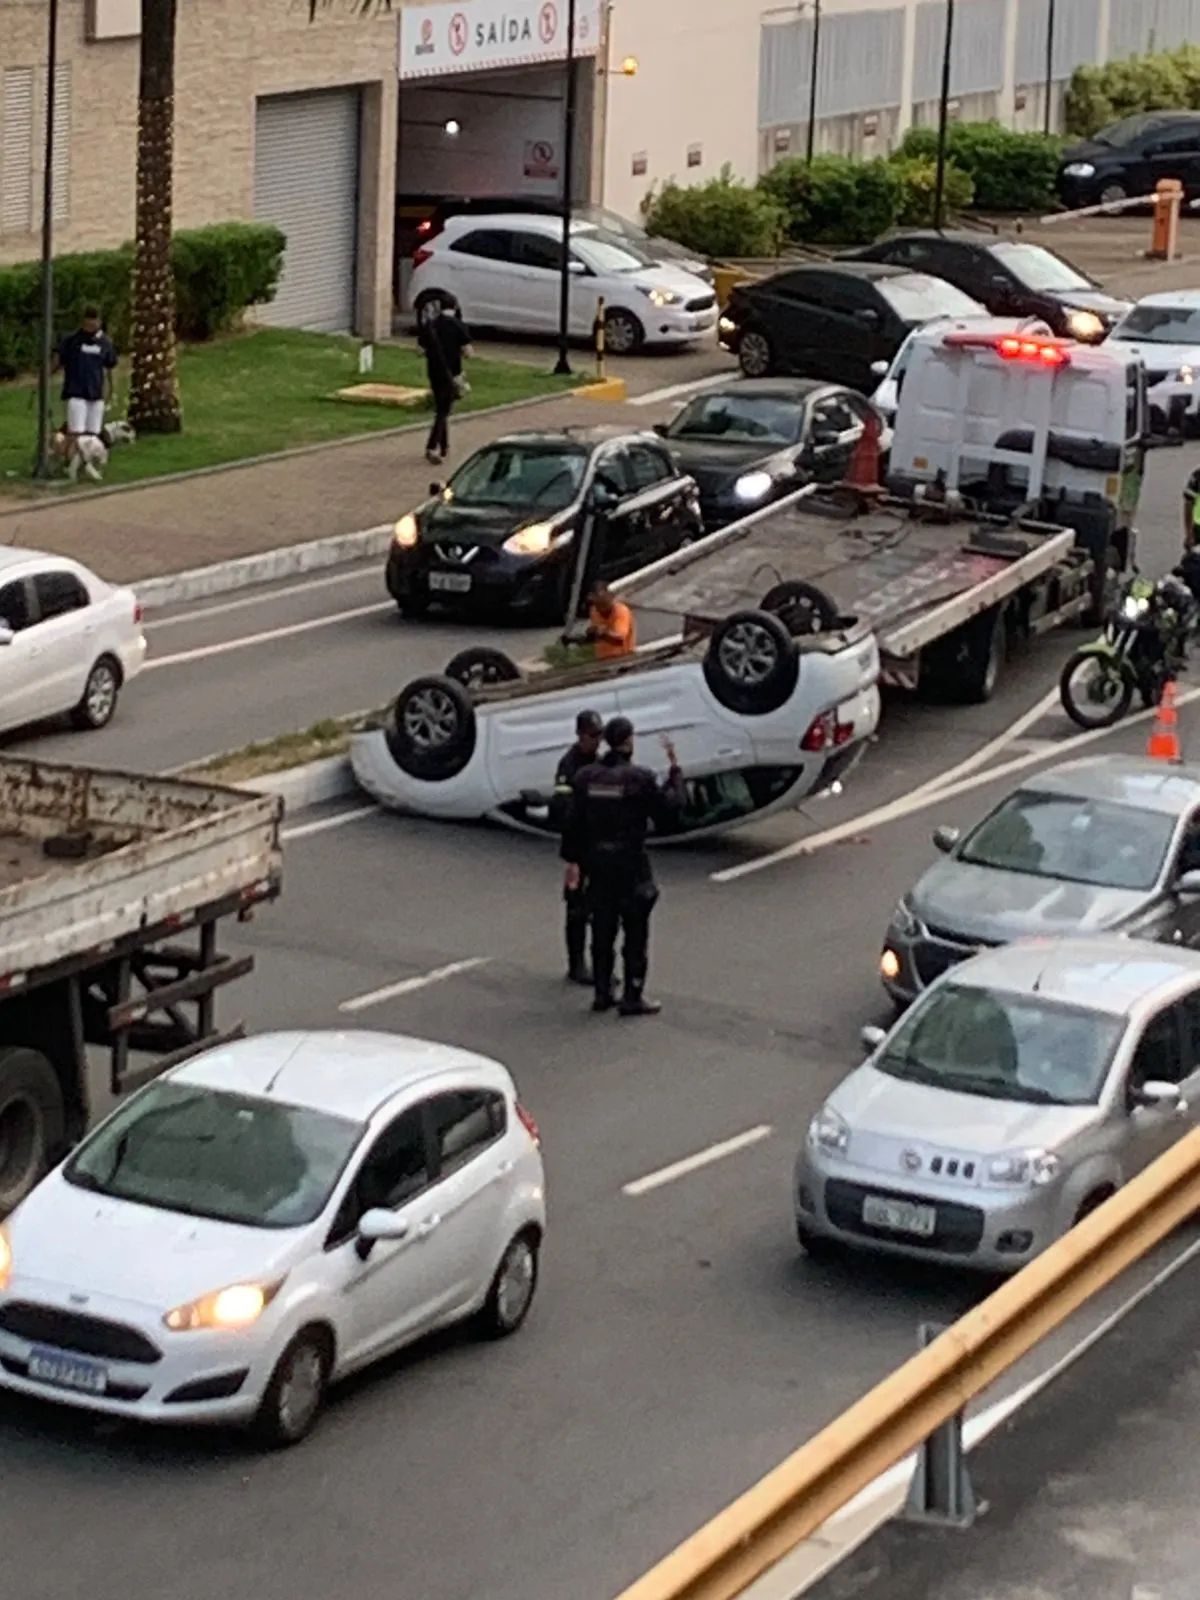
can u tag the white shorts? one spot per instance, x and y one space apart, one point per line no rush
85 416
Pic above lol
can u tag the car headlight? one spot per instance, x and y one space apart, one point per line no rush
5 1261
1085 324
534 540
1079 169
904 920
238 1306
828 1131
1134 607
1187 374
662 297
726 325
1025 1168
752 486
405 533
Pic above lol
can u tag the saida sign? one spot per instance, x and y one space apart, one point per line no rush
473 35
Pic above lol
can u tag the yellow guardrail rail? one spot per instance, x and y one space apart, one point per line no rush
746 1540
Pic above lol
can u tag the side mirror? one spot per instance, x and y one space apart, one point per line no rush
6 634
577 269
1188 882
868 318
660 429
380 1227
879 368
1156 1096
871 1038
435 488
944 839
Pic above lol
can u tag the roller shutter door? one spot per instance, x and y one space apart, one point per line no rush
306 182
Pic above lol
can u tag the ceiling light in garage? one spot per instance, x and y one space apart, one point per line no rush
452 128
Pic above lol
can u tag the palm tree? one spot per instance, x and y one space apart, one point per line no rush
154 385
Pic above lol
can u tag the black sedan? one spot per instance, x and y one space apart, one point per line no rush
502 534
1129 158
1012 278
752 442
833 322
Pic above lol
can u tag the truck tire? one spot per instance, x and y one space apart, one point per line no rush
431 729
802 608
32 1122
752 663
964 667
479 667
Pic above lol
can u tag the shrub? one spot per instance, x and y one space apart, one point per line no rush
219 271
918 179
1010 171
837 200
721 218
1168 80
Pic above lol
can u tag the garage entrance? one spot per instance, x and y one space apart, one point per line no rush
306 164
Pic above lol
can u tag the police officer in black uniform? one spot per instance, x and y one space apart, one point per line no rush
612 805
588 728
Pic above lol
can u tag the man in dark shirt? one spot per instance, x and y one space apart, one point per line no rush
613 803
588 728
87 358
444 340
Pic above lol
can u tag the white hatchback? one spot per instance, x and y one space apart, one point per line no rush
1164 330
69 641
506 273
267 1218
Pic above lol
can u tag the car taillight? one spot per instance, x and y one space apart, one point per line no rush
425 227
530 1126
421 256
137 611
827 733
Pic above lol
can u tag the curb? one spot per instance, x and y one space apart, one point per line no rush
200 583
317 783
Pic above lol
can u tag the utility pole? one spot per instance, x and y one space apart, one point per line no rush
563 365
41 466
939 186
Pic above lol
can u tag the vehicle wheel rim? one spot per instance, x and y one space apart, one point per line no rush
755 354
101 694
1113 193
1093 685
620 336
515 1289
748 654
300 1389
431 719
19 1143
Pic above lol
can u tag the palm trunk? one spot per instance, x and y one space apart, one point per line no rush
154 395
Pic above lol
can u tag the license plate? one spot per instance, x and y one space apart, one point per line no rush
898 1216
450 582
67 1371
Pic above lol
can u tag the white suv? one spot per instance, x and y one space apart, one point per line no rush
505 272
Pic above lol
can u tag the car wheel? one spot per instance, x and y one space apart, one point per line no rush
296 1393
99 701
815 1245
32 1122
623 333
1092 1203
412 606
431 730
480 667
752 663
802 608
1112 193
513 1288
755 356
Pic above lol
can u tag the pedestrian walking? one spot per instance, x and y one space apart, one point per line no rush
613 802
588 728
445 341
88 359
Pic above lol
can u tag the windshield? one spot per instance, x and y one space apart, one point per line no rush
229 1157
1072 839
1002 1047
522 475
773 419
1160 325
1038 268
914 297
1120 134
608 252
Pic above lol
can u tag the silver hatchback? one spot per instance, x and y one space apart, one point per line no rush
1021 1089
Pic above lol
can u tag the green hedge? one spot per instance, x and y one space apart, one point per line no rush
219 272
835 201
918 185
721 218
1166 81
1010 171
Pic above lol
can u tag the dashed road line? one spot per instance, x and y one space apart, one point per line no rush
394 991
695 1163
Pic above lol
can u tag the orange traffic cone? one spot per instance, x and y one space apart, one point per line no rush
1163 744
863 472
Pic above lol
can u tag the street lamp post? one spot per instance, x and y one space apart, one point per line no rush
1046 110
41 466
939 183
563 365
812 83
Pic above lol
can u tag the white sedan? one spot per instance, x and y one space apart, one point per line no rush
69 641
266 1219
760 721
1164 329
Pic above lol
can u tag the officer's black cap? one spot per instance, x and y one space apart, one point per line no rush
618 732
588 722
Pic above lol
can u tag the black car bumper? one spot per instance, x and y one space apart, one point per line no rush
492 580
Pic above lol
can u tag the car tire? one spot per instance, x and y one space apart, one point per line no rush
802 608
815 1245
756 357
480 667
1092 1203
98 703
624 335
1111 193
752 664
295 1396
412 606
431 729
32 1122
510 1297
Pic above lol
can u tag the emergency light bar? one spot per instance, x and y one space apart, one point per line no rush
1011 347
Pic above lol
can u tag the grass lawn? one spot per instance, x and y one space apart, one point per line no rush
258 392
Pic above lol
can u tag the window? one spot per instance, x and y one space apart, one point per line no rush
1071 839
909 253
1190 1008
1038 268
647 467
1159 1055
607 252
536 250
769 418
58 593
535 476
489 244
1162 324
462 1124
397 1166
14 606
1133 403
805 287
1183 142
916 297
1189 849
832 416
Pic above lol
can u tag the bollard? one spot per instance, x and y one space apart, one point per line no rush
598 336
941 1491
1168 200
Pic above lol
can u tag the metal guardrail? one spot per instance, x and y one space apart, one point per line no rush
928 1393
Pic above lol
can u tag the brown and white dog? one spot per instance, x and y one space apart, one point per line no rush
88 452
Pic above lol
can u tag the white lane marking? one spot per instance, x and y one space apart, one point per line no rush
702 1158
263 598
303 830
922 799
676 390
247 640
1002 741
393 991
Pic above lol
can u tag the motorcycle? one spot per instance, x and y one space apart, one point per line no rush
1143 647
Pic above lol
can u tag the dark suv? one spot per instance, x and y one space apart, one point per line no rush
1128 158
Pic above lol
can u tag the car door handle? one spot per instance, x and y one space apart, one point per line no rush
503 1170
430 1225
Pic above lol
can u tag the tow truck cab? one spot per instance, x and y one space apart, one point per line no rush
1018 422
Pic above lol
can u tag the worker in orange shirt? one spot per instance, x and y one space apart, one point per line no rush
610 624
